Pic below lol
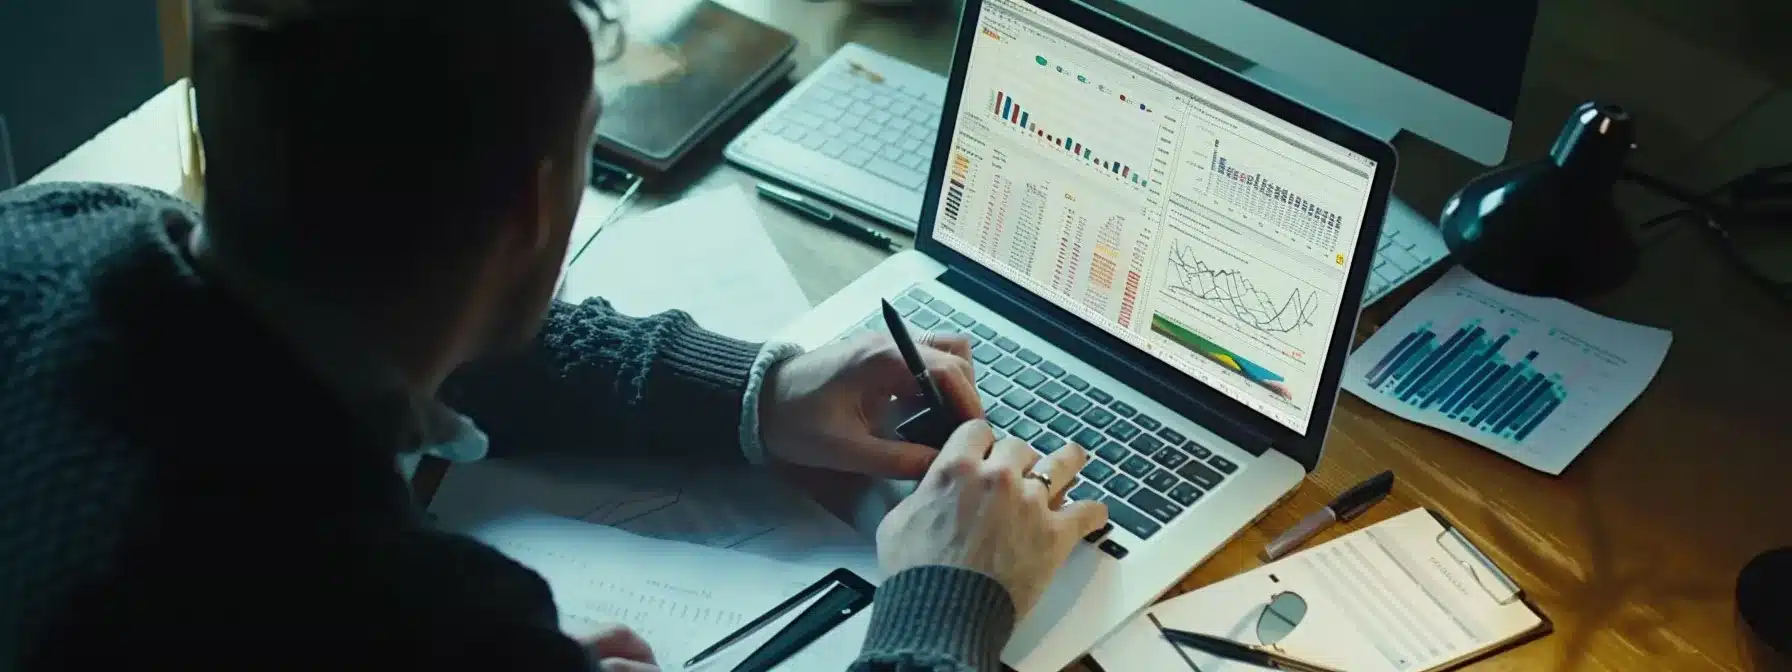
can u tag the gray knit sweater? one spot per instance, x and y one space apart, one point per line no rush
152 514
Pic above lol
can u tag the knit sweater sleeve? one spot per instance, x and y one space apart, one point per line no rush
595 380
937 619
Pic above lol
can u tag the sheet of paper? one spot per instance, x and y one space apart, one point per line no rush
1533 379
1409 244
1388 599
146 147
596 210
745 509
707 255
679 597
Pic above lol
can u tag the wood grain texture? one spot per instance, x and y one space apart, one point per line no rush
171 17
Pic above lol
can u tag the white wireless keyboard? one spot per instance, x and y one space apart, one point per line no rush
1409 244
858 132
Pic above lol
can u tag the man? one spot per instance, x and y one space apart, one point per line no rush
198 420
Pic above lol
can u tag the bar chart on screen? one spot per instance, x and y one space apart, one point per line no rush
1264 198
1534 379
1078 111
1298 204
1107 159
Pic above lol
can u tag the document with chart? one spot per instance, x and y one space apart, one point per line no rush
1210 239
1534 379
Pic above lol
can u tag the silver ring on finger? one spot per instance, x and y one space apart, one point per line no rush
1044 479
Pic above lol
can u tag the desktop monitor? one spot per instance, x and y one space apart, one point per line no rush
1446 70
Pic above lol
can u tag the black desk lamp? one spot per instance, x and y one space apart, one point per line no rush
1548 227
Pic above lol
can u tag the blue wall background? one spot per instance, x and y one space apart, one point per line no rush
69 68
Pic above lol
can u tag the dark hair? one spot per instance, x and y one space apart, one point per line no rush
368 133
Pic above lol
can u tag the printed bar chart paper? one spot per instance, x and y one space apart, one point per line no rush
1533 379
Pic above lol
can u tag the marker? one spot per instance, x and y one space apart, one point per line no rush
1347 506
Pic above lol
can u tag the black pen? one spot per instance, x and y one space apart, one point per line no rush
825 216
936 401
1261 656
1349 505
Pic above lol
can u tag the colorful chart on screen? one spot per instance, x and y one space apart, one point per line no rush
1188 224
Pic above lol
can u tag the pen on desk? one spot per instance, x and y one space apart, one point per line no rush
825 216
936 401
1261 656
754 626
867 73
1349 505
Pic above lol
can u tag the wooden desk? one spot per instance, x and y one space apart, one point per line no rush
1634 550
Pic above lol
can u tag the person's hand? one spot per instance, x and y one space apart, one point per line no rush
618 649
824 408
978 510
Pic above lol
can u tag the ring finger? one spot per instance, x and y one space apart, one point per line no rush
1060 468
1013 455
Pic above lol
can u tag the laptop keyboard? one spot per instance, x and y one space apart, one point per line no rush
1147 473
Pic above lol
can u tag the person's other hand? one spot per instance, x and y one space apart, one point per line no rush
618 649
977 510
824 408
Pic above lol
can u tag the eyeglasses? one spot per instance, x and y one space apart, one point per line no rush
1284 611
1278 618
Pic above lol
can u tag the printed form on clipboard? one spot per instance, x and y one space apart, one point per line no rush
1407 594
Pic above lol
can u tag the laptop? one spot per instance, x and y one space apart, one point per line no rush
1154 258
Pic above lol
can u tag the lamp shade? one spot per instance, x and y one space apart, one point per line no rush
1548 227
1764 607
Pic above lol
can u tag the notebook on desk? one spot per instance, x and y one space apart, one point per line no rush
1408 594
681 69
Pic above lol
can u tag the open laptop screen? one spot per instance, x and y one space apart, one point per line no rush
1200 229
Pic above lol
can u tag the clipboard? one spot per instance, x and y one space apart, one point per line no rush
1412 592
824 605
1464 550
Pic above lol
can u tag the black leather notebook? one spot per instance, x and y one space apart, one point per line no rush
681 68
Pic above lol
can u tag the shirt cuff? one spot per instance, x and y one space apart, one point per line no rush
771 355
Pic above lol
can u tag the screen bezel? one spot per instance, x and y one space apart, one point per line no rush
1133 367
